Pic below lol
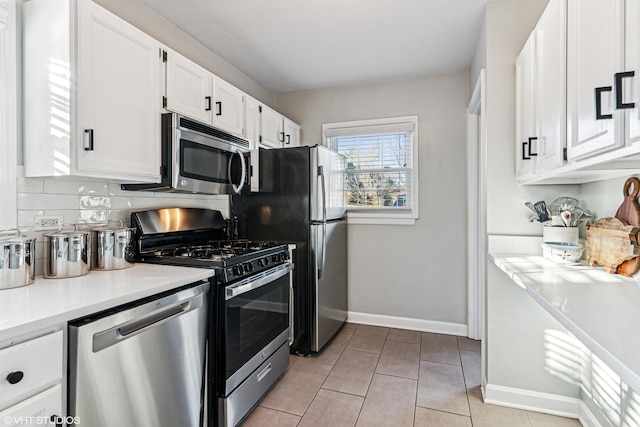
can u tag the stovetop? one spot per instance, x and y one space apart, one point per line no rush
234 259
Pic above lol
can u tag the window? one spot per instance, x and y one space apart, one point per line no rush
381 179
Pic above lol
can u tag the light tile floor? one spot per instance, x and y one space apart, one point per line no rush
373 376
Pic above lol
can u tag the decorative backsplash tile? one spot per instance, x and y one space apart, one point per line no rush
87 201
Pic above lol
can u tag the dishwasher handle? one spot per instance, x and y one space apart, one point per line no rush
131 328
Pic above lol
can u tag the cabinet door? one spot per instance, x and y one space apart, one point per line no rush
119 98
550 87
632 63
525 110
189 88
271 128
593 43
228 108
38 409
291 133
252 121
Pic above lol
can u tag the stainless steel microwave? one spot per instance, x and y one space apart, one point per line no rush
199 158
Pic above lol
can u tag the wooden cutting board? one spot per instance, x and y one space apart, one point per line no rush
611 242
629 211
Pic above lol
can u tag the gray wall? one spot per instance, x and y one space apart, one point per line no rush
415 271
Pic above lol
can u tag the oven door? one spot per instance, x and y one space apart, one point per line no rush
253 323
207 165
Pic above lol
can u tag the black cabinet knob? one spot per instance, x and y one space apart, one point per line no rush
15 377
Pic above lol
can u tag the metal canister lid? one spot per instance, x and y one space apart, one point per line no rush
14 236
70 233
114 228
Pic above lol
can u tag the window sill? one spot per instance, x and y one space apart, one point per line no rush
379 219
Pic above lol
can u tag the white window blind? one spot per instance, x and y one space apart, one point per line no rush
381 174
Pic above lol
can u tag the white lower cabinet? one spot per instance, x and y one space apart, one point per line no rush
44 408
31 374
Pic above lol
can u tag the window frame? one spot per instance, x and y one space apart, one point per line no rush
373 126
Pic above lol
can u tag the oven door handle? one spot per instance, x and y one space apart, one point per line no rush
241 288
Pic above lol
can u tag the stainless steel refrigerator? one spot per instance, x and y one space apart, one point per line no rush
301 200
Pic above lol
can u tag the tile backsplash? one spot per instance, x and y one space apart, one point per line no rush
86 201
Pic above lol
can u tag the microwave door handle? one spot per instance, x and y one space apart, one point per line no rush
238 188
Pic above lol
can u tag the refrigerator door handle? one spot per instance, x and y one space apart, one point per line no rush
324 192
320 251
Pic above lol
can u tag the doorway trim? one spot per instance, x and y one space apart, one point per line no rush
476 209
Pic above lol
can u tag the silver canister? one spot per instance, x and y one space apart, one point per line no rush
68 254
17 260
112 247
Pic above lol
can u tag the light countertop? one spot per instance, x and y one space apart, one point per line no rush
48 302
602 310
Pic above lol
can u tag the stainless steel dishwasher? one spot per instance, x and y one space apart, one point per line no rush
141 364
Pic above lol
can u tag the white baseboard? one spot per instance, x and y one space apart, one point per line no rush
408 323
533 401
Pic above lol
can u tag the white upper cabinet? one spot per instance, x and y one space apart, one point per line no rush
228 106
197 93
540 95
595 31
550 86
271 128
252 108
266 128
629 80
189 88
92 93
525 110
291 133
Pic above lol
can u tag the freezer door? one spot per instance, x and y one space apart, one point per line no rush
329 252
327 184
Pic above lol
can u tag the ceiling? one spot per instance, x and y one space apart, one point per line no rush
297 45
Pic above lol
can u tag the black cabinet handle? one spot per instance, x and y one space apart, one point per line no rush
282 139
618 84
530 144
90 147
288 139
219 108
526 149
15 377
598 91
208 101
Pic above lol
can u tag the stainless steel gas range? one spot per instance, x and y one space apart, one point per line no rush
249 326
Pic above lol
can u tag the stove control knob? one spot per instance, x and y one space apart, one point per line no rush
275 257
261 262
265 260
285 255
248 267
238 270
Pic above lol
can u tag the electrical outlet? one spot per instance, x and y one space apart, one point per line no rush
47 222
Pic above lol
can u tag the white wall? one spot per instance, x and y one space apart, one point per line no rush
605 197
418 271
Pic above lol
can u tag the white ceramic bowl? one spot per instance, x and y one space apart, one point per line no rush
562 251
